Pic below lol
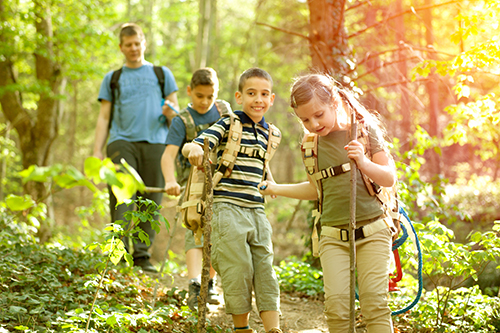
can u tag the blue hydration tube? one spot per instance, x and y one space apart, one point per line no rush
396 245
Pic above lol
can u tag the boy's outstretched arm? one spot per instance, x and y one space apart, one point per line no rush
302 191
194 153
168 167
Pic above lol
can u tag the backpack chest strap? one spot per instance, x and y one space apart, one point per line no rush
332 171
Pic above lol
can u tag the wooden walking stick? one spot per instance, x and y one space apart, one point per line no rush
207 230
352 228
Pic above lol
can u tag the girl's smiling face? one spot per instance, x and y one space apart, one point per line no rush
318 117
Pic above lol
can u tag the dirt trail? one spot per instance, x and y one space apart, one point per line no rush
297 314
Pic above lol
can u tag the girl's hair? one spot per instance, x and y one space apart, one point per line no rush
328 91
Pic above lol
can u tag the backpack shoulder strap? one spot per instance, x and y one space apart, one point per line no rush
273 141
231 150
223 107
188 121
309 149
115 91
161 79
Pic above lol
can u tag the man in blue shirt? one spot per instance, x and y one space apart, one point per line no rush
137 132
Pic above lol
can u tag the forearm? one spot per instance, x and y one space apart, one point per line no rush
101 135
383 173
301 191
168 167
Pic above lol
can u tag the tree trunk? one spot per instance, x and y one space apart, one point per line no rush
432 90
327 37
72 121
405 111
36 134
202 47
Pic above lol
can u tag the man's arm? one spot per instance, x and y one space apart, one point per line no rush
102 128
168 167
167 110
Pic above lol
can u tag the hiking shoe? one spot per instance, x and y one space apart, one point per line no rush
194 292
212 294
275 330
244 330
145 264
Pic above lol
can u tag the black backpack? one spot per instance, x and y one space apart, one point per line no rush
115 87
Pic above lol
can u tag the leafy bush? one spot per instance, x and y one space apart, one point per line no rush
50 288
298 276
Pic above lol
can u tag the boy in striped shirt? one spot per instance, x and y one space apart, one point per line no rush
242 251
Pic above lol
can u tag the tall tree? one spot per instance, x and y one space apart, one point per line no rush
327 36
37 130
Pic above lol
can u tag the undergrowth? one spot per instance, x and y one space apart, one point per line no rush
51 289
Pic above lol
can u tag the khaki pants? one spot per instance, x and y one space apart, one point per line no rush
242 255
373 256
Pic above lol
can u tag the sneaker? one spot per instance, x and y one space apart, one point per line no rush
275 330
145 264
212 294
194 292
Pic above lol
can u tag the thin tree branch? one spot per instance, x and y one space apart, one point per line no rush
386 64
411 10
284 30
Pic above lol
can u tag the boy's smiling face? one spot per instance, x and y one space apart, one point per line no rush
255 98
202 97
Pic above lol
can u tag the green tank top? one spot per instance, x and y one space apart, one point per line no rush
337 189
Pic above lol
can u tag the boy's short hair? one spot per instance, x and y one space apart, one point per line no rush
253 72
204 77
131 29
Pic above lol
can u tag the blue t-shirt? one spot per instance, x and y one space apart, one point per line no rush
177 133
139 106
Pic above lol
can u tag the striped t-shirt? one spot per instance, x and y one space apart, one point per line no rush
240 188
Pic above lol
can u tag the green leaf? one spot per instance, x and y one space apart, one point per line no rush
17 203
127 190
17 309
92 167
134 174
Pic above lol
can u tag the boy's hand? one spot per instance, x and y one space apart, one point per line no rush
195 156
266 188
172 188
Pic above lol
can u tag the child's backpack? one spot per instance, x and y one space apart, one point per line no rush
115 87
182 165
193 206
386 195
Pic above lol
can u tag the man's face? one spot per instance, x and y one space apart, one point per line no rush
133 48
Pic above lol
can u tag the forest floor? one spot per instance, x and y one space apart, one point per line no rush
298 314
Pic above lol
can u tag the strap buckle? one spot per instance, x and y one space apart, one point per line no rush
344 235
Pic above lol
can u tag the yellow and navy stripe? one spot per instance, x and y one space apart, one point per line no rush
240 188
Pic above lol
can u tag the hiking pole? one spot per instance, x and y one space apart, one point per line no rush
352 228
207 230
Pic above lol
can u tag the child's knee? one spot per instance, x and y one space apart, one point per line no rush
374 306
337 307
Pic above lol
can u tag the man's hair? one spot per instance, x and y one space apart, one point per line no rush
253 72
204 77
131 29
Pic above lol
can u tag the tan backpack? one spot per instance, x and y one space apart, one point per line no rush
193 207
386 195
